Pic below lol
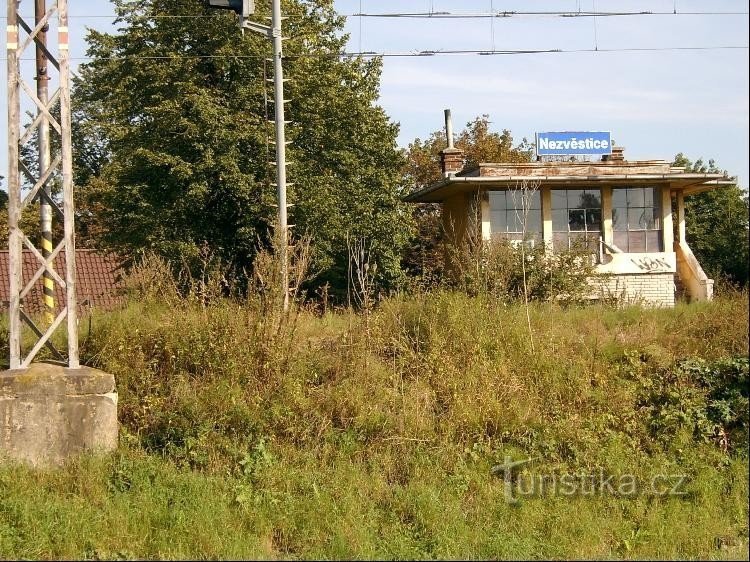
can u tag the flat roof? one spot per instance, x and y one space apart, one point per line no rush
562 175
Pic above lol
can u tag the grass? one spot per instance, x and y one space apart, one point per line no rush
247 434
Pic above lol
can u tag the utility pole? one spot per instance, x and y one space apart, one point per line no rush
43 140
49 169
245 8
278 95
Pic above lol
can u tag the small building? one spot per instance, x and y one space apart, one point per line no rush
630 214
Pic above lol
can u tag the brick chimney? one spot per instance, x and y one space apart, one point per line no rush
616 156
451 158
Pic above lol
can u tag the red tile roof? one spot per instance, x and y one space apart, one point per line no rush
98 278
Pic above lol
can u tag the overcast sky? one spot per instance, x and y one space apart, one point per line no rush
655 103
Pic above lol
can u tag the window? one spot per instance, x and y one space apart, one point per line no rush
507 215
576 218
636 219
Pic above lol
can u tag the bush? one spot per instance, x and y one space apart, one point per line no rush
510 271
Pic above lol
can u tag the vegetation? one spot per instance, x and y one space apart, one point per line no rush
403 430
174 146
247 432
424 256
717 225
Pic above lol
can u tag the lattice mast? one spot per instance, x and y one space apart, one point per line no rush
50 167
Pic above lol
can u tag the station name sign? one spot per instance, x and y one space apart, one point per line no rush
573 143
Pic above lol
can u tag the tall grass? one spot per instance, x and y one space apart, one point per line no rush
250 433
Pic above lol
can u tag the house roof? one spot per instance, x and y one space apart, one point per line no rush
568 174
98 278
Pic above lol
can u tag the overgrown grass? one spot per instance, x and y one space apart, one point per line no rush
248 433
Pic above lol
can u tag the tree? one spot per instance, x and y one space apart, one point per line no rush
175 147
424 256
716 222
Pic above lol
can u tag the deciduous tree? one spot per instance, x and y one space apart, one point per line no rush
717 225
175 148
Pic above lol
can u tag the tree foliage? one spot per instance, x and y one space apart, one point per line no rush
175 148
716 222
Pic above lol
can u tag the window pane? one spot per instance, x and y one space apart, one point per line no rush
636 197
621 240
575 198
535 200
591 199
515 199
649 196
657 219
620 218
559 199
559 241
636 219
514 221
648 218
560 220
637 241
653 241
577 219
534 221
497 201
593 219
619 198
498 223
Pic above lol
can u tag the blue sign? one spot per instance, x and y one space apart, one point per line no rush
573 143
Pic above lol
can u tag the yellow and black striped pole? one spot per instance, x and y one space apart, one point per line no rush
49 283
45 210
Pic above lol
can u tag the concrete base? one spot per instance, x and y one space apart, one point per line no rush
49 413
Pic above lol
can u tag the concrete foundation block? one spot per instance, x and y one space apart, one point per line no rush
49 413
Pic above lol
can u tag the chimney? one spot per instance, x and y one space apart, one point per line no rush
616 156
451 158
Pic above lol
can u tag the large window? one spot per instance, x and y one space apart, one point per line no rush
508 212
576 218
636 219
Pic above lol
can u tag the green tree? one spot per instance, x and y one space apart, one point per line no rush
175 147
424 256
716 222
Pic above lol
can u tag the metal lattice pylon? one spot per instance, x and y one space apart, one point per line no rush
61 165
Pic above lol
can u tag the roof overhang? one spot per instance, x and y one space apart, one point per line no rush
456 185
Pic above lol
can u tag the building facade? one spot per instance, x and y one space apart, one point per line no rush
629 214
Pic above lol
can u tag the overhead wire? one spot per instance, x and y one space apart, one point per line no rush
457 15
424 53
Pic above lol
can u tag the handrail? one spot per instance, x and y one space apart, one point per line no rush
611 247
699 285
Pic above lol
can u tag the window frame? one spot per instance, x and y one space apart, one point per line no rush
516 210
638 205
589 236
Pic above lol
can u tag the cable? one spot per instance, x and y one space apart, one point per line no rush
407 54
445 14
507 14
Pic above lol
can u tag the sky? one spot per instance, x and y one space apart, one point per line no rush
655 103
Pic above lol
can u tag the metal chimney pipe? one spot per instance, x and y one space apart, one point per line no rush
449 127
